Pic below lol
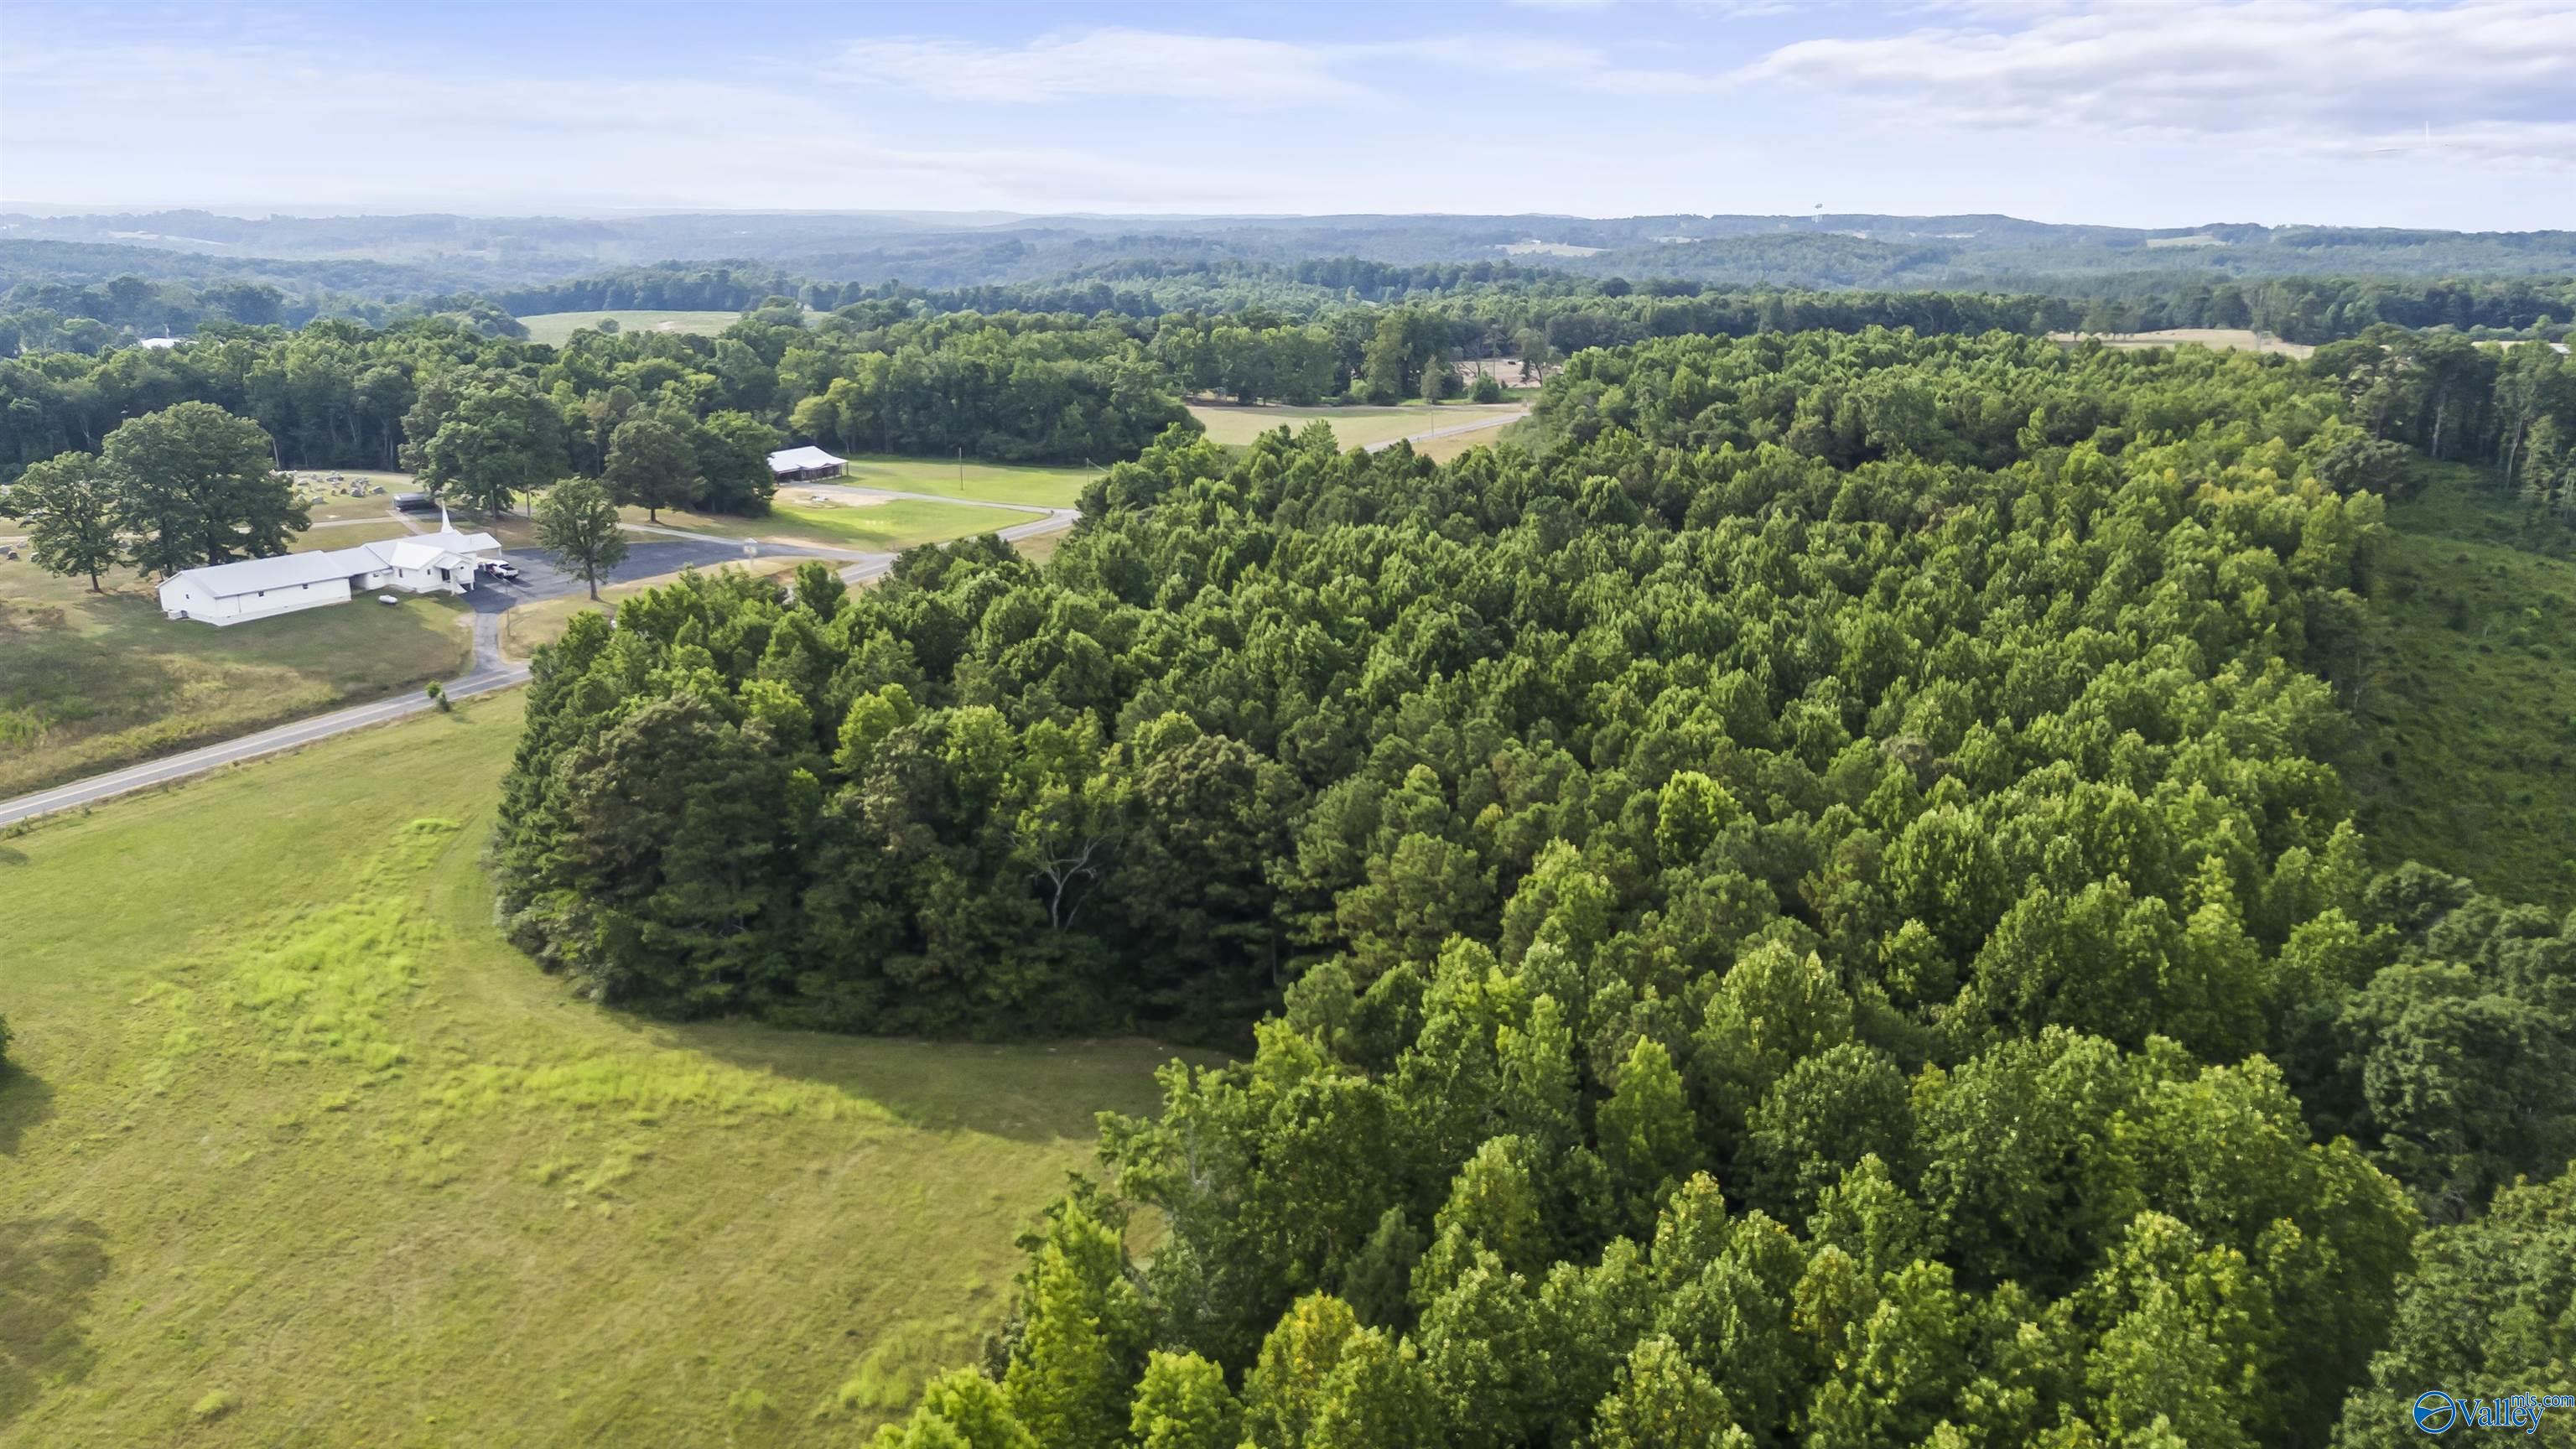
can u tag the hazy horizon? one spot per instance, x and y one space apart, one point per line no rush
967 219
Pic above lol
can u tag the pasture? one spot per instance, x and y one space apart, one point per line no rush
2463 752
1044 485
1353 427
1441 450
89 682
2224 339
883 526
300 1152
347 533
557 328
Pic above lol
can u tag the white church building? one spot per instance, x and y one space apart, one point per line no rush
445 562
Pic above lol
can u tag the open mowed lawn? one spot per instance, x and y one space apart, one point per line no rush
90 682
1352 427
1441 450
1042 485
882 527
557 328
1039 548
2464 751
297 1151
347 534
2223 339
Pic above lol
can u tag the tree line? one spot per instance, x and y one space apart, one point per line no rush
171 490
668 420
1806 908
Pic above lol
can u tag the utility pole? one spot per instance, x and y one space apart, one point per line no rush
961 470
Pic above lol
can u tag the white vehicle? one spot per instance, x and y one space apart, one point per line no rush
500 569
387 599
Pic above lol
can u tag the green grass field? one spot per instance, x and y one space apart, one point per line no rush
2464 752
556 328
1352 427
90 682
296 1151
1441 450
347 535
1046 486
876 527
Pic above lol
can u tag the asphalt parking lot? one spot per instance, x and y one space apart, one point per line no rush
539 579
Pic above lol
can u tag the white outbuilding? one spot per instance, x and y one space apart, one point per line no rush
804 465
445 562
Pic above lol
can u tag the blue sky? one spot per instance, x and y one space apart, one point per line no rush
2133 112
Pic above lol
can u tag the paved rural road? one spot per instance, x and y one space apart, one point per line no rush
490 672
539 580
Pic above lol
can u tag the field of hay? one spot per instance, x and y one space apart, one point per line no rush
296 1150
1353 427
556 328
90 682
2237 339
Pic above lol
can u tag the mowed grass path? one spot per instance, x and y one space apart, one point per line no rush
1352 427
90 682
2464 751
299 1152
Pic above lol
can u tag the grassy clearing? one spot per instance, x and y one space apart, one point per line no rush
2464 752
1352 427
1441 450
544 621
300 1153
2225 339
1038 548
884 527
556 328
347 535
89 682
1045 486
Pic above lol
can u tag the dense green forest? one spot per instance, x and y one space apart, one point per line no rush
904 371
77 307
1808 906
490 419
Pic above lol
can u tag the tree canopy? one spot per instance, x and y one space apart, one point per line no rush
1806 907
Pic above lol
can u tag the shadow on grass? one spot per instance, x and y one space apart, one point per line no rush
1030 1091
49 1268
25 1100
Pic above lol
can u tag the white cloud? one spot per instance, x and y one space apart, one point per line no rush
1133 65
276 123
1124 63
2497 75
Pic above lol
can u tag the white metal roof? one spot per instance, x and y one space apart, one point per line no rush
792 460
287 570
224 581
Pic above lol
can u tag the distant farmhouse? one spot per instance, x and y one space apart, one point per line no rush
445 562
804 465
